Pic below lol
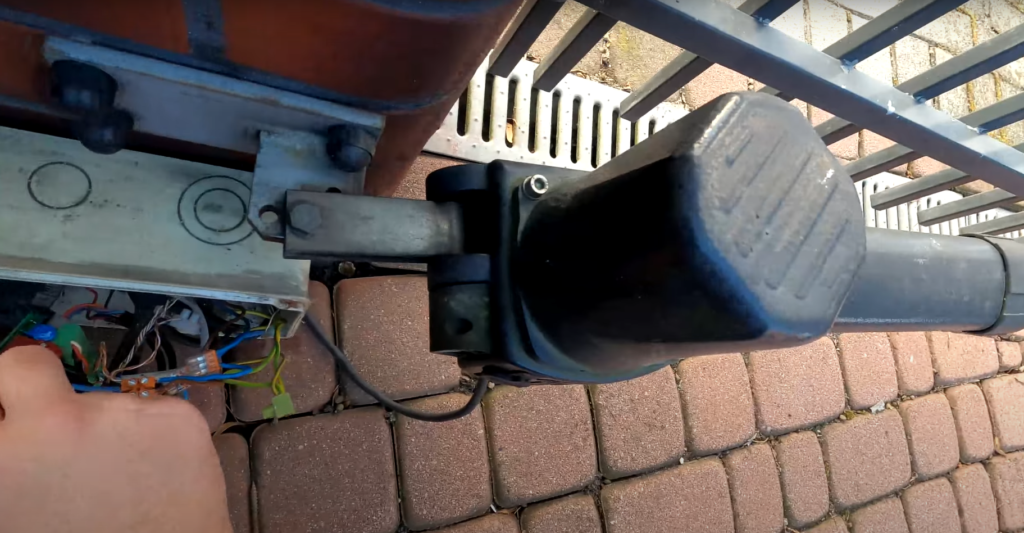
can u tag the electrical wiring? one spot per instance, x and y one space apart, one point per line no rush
237 340
93 307
346 366
93 388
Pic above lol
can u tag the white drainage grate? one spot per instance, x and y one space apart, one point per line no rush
904 217
575 126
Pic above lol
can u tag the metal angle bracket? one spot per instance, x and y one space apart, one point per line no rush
201 107
292 161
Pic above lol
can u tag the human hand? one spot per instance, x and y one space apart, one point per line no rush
100 461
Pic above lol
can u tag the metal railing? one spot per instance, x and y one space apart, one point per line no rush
741 39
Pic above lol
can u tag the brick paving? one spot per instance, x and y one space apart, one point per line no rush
769 441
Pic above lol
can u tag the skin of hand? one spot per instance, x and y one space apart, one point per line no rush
101 461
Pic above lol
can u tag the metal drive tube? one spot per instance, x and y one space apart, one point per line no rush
918 281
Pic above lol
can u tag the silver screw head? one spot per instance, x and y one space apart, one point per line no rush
535 186
132 382
145 380
144 394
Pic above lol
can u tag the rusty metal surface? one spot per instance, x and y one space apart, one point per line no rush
407 59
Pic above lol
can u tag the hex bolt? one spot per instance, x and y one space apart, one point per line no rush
304 218
351 148
535 186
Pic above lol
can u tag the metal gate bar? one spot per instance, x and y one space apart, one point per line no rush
687 65
881 32
711 32
997 52
997 226
993 117
582 36
968 206
533 17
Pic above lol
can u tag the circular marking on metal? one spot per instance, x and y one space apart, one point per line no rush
213 210
59 185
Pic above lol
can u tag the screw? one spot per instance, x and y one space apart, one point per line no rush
144 394
535 186
132 382
347 268
304 218
145 380
351 148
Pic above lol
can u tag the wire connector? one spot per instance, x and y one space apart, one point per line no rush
202 365
280 407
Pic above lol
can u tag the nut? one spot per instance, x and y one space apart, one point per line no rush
535 186
304 218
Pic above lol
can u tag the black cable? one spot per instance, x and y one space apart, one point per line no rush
350 372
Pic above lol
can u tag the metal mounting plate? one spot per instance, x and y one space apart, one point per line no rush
137 222
205 108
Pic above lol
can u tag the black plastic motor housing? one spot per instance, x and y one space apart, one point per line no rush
732 229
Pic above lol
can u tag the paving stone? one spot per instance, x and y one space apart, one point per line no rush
869 371
1007 476
639 424
931 435
792 22
326 473
571 514
210 400
1009 355
951 31
884 516
847 148
635 56
878 65
931 508
912 58
973 425
756 494
953 102
1005 398
692 498
926 166
872 142
713 83
541 442
796 388
556 29
867 458
802 476
443 467
958 358
234 461
309 373
717 405
973 491
383 326
871 8
492 523
914 373
828 23
414 186
832 525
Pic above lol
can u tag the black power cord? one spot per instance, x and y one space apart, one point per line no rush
350 372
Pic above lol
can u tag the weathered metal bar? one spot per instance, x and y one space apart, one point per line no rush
522 32
583 35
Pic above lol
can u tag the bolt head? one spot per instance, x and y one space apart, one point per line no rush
145 380
535 186
304 218
132 382
144 394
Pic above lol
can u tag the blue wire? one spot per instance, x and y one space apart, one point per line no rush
238 340
184 395
212 377
90 388
97 311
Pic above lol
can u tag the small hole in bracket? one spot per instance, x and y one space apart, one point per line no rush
268 215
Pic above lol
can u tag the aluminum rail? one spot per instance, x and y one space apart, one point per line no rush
968 206
997 226
737 41
687 65
923 186
522 32
882 31
986 57
570 49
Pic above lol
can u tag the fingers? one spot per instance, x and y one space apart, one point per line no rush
30 376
